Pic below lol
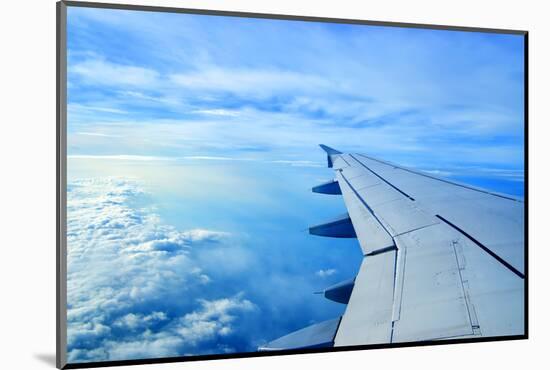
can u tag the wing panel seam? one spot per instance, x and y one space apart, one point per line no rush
382 250
366 205
461 282
479 244
383 179
469 307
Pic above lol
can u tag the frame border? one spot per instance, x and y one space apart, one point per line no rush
240 14
61 183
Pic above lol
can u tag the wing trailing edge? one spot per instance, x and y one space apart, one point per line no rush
318 335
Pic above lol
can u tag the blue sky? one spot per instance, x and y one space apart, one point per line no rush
192 144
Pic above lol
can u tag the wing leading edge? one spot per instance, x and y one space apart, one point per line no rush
441 259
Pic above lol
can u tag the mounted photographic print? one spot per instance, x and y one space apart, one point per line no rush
235 184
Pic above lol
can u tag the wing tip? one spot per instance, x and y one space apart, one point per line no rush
329 150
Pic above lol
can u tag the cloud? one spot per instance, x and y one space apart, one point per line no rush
95 134
94 109
135 287
300 163
218 112
133 321
260 82
326 273
102 72
140 97
215 158
510 174
140 288
211 322
394 93
202 235
440 173
214 318
124 157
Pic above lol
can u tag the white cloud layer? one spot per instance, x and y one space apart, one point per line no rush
134 285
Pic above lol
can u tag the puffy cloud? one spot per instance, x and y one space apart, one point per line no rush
213 319
326 273
211 322
135 288
134 321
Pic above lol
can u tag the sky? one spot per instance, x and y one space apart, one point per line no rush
192 150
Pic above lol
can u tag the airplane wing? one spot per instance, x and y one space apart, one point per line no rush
441 260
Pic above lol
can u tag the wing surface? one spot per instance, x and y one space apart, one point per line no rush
441 259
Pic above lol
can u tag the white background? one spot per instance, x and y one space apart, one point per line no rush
27 186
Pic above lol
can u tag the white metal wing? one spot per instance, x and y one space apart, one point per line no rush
442 260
